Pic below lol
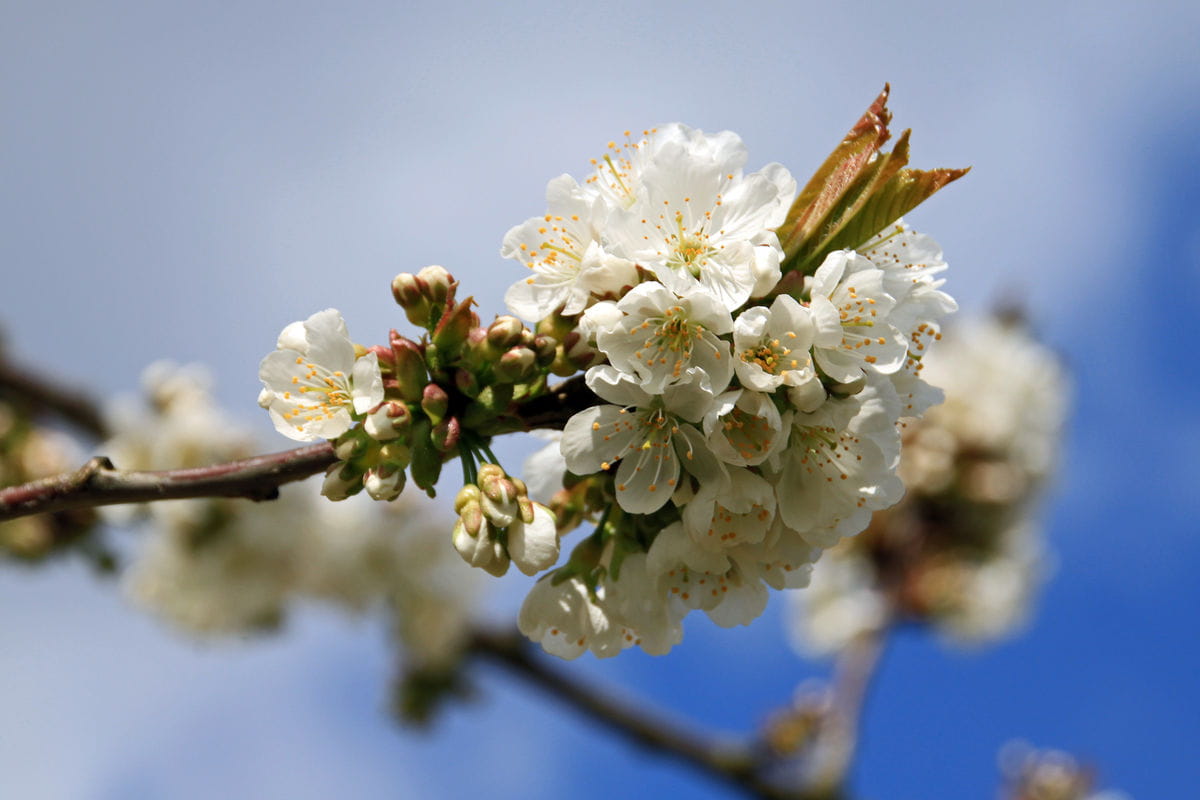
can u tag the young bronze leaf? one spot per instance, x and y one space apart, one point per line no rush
904 192
872 180
839 171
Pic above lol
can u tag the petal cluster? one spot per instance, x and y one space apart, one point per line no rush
745 422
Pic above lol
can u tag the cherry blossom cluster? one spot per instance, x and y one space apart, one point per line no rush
962 552
741 430
748 351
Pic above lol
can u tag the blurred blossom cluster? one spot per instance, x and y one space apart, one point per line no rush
29 451
748 347
1042 774
962 551
222 566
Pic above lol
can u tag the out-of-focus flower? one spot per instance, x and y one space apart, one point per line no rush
223 566
1043 774
962 551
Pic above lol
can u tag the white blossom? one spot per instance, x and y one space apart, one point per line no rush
721 517
313 381
840 465
563 250
566 620
772 345
700 225
650 435
850 308
745 428
660 336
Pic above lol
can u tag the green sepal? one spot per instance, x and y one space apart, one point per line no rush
426 465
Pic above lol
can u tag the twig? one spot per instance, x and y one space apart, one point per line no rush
37 394
838 739
739 765
98 483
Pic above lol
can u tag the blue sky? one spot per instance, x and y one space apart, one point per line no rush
181 180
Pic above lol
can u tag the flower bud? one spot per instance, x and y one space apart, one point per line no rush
341 481
468 494
395 453
556 326
408 367
525 507
480 550
350 444
445 434
505 332
385 356
388 421
439 284
434 402
516 366
466 382
574 355
467 506
533 544
453 328
546 348
409 292
384 483
494 483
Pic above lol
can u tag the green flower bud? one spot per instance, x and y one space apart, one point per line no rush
546 348
574 355
445 434
466 382
453 328
350 444
395 453
516 366
434 402
438 284
505 332
557 326
407 291
408 368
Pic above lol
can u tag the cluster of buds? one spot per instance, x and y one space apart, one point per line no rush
498 524
411 405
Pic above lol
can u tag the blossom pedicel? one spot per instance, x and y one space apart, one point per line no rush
749 353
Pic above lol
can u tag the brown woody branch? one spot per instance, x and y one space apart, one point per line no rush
738 764
98 483
38 395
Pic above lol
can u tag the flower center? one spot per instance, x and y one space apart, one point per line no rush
749 434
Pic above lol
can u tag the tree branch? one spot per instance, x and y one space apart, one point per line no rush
36 394
98 483
737 764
